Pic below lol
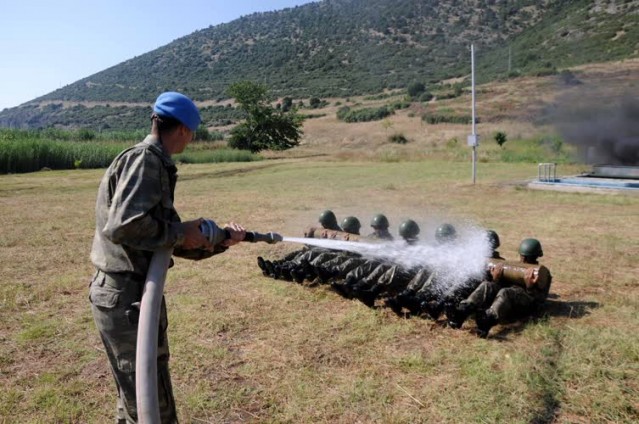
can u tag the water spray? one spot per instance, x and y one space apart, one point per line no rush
456 263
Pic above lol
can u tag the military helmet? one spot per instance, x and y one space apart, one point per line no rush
493 239
351 224
531 247
380 221
328 219
409 229
445 232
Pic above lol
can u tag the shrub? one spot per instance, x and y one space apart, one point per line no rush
426 97
398 138
347 114
500 138
415 89
431 118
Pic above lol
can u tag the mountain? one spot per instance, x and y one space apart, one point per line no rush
341 48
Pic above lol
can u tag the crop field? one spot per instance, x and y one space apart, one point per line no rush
250 349
246 348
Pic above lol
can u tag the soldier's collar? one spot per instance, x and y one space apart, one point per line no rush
155 144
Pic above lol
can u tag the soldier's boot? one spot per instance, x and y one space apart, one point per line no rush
309 270
456 314
270 270
394 305
485 321
367 296
324 275
277 270
404 299
285 272
341 288
351 281
298 274
413 303
262 265
433 308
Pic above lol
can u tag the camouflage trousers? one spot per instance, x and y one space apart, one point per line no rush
115 306
505 303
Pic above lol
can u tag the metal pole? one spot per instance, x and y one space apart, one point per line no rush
472 67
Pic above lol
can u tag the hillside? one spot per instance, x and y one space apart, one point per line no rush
342 48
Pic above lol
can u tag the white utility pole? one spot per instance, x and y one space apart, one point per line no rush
473 138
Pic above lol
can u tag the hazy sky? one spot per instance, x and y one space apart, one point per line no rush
47 44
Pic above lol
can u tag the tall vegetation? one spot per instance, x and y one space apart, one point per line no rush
265 127
28 151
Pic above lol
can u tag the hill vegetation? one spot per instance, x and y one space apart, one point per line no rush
343 48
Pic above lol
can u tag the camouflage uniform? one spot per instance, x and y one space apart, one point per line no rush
134 217
380 234
506 303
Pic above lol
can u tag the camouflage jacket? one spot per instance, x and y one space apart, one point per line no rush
134 211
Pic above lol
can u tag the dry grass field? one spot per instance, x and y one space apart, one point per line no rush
248 349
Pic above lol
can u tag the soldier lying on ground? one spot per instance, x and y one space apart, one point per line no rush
368 280
380 225
356 267
299 265
423 287
500 299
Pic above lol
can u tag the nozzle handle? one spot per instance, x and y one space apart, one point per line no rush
254 237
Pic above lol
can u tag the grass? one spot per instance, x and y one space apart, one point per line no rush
250 349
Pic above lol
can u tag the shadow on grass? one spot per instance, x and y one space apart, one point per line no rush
568 309
552 308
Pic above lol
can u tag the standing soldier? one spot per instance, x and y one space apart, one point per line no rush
135 216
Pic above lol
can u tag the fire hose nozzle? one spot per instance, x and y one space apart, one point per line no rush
269 238
217 235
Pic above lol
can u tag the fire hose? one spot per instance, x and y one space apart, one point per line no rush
146 378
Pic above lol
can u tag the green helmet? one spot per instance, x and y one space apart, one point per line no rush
445 232
328 220
531 247
380 221
493 239
409 229
350 224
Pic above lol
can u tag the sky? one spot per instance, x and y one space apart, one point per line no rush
45 44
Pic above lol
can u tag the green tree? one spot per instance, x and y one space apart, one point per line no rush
265 127
287 104
500 138
415 89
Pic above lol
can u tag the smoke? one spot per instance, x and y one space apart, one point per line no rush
455 263
605 130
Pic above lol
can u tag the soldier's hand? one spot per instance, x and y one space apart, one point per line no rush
530 277
496 272
193 237
237 233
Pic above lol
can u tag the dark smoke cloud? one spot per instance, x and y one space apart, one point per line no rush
604 129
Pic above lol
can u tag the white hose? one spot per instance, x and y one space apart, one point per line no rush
146 368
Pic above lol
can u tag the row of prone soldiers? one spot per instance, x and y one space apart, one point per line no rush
418 291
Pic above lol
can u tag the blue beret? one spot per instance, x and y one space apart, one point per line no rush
177 106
